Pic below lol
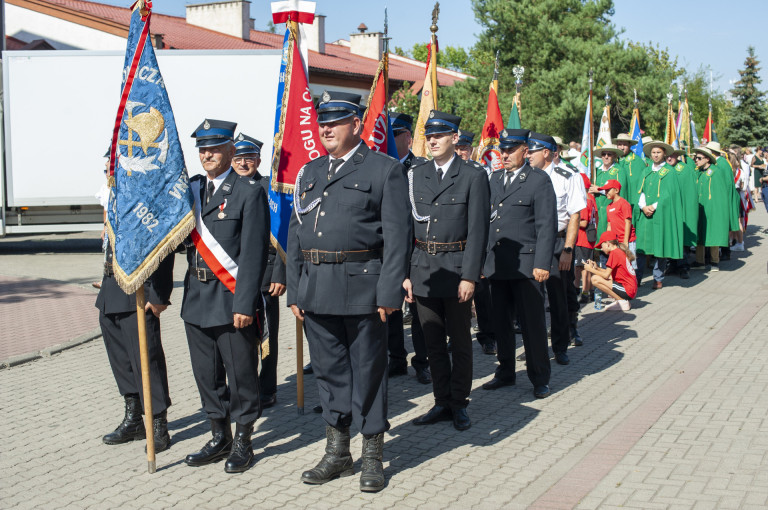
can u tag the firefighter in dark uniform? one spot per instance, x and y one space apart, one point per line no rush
482 298
571 198
224 327
246 162
450 203
119 327
520 246
347 259
402 127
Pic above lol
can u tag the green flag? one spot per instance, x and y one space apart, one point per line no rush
514 118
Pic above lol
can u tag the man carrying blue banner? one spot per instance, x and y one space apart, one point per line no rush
149 214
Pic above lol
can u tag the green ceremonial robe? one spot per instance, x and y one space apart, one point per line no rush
686 178
661 235
715 199
634 171
734 223
601 177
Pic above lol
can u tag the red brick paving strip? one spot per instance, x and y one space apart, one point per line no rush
36 314
585 475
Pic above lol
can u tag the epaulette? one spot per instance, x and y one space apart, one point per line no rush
418 161
564 172
571 167
196 177
475 165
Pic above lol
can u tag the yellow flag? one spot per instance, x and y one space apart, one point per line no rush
428 101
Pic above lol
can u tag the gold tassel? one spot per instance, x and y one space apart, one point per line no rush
265 348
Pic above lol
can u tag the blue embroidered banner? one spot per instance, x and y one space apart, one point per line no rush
150 205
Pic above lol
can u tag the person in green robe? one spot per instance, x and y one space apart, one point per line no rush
659 214
734 224
714 207
634 168
686 178
608 153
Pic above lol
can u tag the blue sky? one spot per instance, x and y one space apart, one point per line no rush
704 33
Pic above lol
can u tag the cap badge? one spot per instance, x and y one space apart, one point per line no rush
432 114
504 133
206 124
459 132
240 138
326 96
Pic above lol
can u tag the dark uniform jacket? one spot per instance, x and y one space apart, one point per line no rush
275 272
244 234
364 206
157 289
458 208
523 225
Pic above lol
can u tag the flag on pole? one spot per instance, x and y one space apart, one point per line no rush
604 133
514 118
670 137
694 136
428 100
488 148
636 134
684 127
296 141
586 146
377 131
706 136
150 204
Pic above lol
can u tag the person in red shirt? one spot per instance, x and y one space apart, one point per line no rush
618 278
585 244
619 215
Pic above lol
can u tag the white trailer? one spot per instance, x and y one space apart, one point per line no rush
59 111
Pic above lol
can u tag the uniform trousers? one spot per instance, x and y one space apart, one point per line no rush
396 341
268 372
483 308
349 359
121 339
522 298
562 301
451 373
225 364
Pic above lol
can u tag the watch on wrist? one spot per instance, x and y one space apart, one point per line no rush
568 250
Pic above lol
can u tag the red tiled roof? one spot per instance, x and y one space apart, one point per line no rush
177 34
11 43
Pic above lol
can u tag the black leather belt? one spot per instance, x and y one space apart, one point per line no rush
432 247
203 274
562 233
108 271
337 257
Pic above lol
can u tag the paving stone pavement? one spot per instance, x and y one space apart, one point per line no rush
662 406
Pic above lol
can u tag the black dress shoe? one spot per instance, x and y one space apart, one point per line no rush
423 375
317 409
268 401
562 358
132 426
436 414
489 348
541 391
241 456
496 383
337 461
160 432
308 369
461 419
396 369
217 448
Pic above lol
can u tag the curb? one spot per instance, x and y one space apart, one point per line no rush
50 351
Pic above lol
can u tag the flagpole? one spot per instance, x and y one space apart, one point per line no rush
608 107
146 384
591 131
518 71
433 53
293 26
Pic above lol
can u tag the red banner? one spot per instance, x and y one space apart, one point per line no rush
488 148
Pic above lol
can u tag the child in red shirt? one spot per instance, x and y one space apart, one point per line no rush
619 215
618 279
584 248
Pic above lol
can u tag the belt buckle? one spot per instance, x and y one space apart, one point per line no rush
314 256
432 247
201 274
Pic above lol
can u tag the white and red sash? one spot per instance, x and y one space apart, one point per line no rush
209 248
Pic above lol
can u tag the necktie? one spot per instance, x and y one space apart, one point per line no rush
439 175
209 191
335 164
507 180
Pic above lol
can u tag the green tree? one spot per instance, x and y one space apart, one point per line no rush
748 124
455 58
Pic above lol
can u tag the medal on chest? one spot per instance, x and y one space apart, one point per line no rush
222 214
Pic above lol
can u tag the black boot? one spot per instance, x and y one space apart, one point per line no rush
372 474
215 449
337 460
132 427
160 432
242 451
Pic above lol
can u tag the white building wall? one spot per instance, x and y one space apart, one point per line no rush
27 25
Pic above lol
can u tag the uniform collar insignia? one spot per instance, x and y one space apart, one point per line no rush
207 125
